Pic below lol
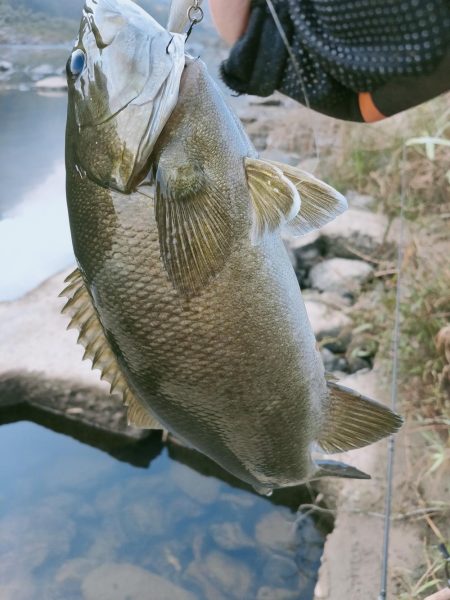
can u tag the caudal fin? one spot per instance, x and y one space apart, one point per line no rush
354 420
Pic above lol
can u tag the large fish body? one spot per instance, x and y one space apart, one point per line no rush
185 296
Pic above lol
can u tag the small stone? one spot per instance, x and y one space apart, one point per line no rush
271 101
51 84
358 364
5 66
122 581
281 570
270 593
341 365
325 321
42 70
356 229
304 241
230 536
330 360
279 156
331 299
357 200
304 252
221 576
310 165
341 275
275 531
231 575
361 350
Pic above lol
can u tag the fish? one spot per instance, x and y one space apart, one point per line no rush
184 296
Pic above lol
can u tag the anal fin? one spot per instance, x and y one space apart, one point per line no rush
92 337
354 421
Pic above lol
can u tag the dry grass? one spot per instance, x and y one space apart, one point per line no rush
410 156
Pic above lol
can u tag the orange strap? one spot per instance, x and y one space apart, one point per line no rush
369 111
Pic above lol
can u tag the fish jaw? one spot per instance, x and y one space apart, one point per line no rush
125 92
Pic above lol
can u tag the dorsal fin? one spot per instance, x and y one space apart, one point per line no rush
92 337
353 420
275 199
320 203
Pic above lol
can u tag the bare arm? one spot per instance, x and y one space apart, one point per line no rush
442 595
230 18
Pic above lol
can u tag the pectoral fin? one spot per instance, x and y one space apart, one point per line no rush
354 420
275 199
194 227
92 336
320 203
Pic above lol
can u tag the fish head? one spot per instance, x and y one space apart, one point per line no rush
123 78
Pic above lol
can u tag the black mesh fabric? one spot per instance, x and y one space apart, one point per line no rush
342 47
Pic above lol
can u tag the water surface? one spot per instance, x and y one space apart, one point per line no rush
74 520
35 238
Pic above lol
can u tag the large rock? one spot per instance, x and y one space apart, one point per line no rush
122 581
341 275
42 364
358 230
325 320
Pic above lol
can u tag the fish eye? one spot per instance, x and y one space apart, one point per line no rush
76 63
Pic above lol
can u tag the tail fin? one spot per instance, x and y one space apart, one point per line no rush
354 420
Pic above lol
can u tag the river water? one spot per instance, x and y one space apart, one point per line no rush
76 522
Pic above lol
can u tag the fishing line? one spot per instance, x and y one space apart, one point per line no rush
296 66
394 387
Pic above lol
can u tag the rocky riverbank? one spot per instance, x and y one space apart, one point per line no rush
347 273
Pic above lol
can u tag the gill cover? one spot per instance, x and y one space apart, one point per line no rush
125 92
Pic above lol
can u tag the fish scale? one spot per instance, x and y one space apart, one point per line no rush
187 300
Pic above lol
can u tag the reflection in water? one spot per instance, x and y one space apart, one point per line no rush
75 523
35 239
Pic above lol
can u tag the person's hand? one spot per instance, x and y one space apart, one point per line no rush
442 595
230 18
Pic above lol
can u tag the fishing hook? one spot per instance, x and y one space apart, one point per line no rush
195 15
168 45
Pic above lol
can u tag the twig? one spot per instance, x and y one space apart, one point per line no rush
386 272
366 257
